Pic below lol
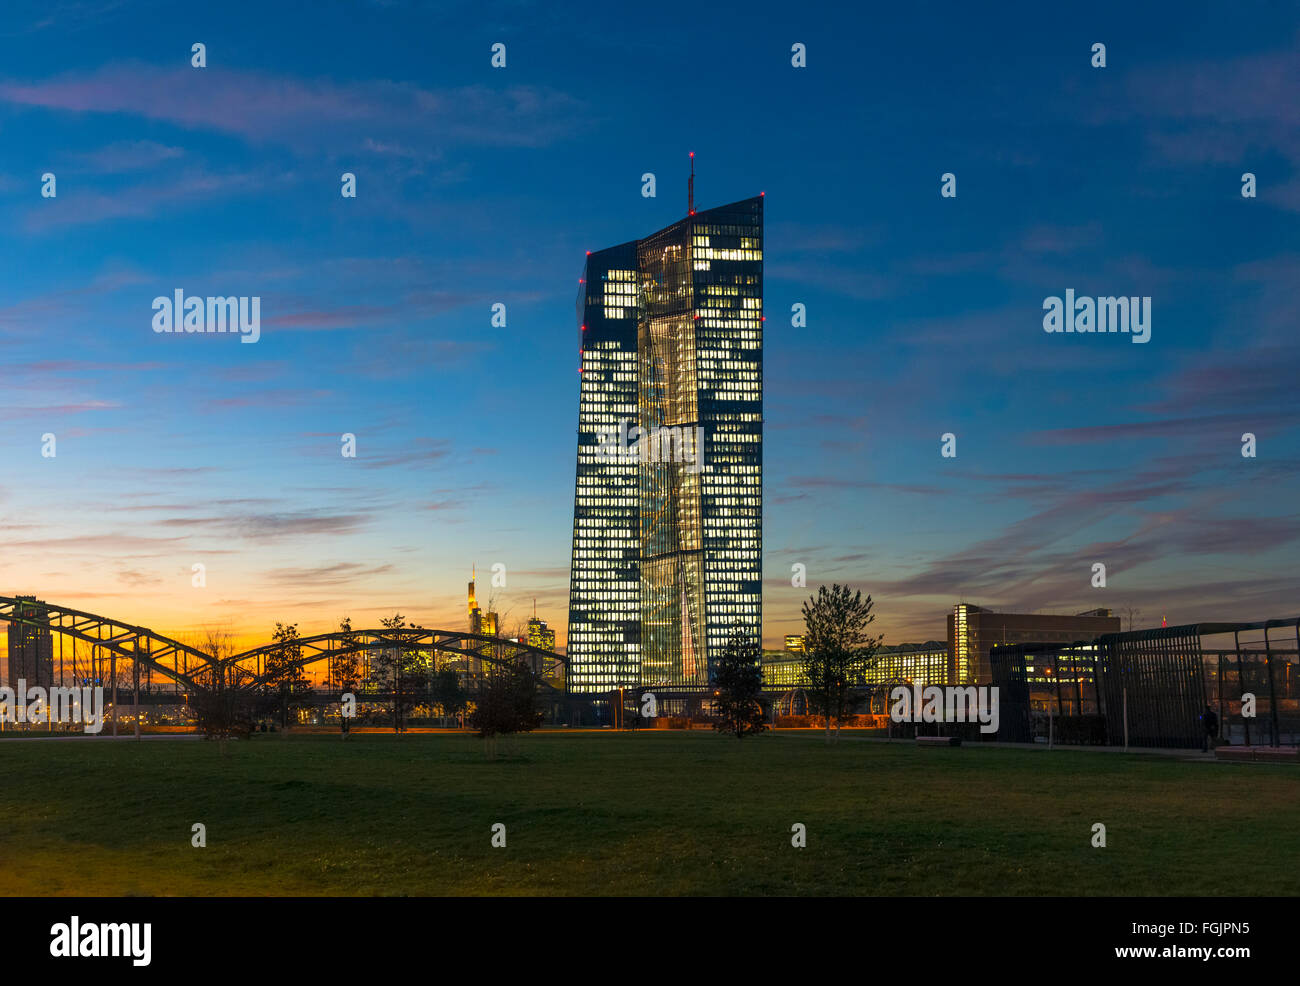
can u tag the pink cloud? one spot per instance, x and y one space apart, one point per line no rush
266 108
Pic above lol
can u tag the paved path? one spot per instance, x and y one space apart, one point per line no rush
1036 747
13 736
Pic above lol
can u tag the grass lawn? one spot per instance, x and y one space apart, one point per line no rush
649 813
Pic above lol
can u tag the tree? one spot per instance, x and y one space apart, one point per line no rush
399 668
286 685
738 684
837 649
507 703
446 693
1133 613
344 672
222 709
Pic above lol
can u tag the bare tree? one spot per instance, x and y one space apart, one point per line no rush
221 706
506 704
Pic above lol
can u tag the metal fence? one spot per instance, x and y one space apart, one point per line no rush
1154 687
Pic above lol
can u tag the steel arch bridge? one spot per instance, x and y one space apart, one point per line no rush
188 665
168 657
464 648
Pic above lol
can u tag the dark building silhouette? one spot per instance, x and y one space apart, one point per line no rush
31 650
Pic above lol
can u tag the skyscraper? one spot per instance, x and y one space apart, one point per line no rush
667 527
540 635
31 650
479 621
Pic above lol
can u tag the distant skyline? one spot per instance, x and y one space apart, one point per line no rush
478 185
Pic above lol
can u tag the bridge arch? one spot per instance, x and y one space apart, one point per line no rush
178 661
497 651
123 639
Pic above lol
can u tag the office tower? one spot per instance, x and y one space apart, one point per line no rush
667 530
480 621
475 614
31 650
540 635
794 643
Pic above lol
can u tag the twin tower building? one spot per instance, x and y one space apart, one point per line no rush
668 502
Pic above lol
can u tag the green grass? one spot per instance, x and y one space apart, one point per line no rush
650 813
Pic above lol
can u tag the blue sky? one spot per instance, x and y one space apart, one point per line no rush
479 185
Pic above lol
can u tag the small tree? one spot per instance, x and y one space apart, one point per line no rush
398 667
507 704
344 671
222 709
447 694
286 685
738 685
837 649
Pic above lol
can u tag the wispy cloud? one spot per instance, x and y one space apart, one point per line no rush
310 113
128 155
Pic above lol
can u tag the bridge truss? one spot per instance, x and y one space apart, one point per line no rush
471 655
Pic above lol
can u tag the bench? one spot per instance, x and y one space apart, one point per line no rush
938 741
1280 754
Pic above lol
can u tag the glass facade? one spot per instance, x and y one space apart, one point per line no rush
973 630
604 638
922 664
961 643
667 540
540 635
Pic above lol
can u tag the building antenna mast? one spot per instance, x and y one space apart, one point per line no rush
690 187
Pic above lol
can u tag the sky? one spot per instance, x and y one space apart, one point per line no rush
479 185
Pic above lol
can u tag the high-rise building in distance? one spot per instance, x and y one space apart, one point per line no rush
668 499
540 635
479 621
31 650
